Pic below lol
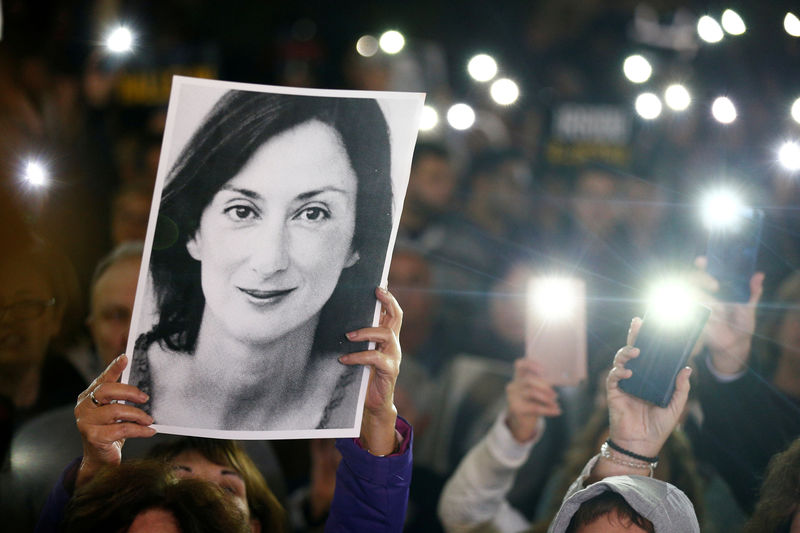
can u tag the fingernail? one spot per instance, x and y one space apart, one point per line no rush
144 397
352 335
343 359
383 289
152 431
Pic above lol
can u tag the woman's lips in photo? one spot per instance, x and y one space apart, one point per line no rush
266 297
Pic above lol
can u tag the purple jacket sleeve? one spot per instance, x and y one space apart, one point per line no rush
53 510
371 492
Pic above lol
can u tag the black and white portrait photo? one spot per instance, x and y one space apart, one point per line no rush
272 224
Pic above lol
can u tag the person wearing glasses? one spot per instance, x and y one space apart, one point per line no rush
35 285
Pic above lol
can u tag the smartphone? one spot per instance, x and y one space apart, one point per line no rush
556 328
732 254
664 348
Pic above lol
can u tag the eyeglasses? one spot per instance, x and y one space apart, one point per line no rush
25 310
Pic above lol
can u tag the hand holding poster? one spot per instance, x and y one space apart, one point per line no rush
270 229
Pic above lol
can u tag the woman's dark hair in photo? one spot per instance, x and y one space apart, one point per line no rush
238 125
263 504
113 499
779 499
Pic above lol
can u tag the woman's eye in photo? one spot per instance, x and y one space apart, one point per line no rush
313 214
240 212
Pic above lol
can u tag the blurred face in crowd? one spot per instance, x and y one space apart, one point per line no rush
192 464
112 306
432 183
789 334
594 206
410 281
507 305
129 218
29 318
509 189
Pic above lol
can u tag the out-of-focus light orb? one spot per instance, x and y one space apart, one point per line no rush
120 40
721 208
733 23
460 116
35 173
392 41
637 69
367 46
789 156
670 302
796 110
677 97
552 298
429 118
648 105
709 30
504 91
791 24
482 67
723 110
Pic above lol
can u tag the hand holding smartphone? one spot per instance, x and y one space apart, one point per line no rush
665 344
732 253
556 328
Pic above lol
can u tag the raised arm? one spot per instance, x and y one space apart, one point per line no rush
729 333
374 476
476 493
637 429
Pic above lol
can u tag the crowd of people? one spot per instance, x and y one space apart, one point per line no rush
496 447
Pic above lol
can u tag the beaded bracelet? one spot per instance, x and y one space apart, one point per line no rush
605 453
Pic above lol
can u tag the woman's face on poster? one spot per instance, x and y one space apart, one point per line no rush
274 239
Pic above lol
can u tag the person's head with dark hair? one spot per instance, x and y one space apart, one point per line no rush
273 227
130 211
37 288
780 332
140 496
497 190
431 186
778 507
225 463
606 513
111 298
595 207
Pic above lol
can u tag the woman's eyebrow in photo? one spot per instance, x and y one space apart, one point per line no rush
311 194
244 192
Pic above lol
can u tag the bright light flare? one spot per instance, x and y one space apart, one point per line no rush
733 23
648 105
460 116
392 42
791 24
429 118
367 46
723 110
637 69
796 110
670 302
789 156
504 91
677 97
721 209
709 30
552 298
35 173
482 67
120 40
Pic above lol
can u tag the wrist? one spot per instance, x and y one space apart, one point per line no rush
378 434
522 432
640 447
